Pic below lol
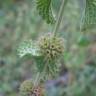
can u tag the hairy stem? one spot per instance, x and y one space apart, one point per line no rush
60 15
39 76
36 79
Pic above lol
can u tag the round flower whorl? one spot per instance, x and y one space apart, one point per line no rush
51 48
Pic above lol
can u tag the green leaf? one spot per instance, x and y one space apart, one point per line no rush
89 18
45 10
83 41
40 63
28 47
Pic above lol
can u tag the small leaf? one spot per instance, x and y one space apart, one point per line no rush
83 41
89 18
44 8
40 63
28 47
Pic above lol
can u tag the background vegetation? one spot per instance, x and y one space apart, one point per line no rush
20 21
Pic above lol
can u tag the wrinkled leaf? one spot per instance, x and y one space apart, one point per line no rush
39 63
28 47
89 18
44 8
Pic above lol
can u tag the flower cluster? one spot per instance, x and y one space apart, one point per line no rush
27 89
51 48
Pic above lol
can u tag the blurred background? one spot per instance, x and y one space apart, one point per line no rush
20 21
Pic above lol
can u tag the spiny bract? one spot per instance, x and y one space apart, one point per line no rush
51 47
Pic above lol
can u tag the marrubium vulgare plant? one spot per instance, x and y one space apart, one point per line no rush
48 51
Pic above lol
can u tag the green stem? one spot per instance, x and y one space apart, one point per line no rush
60 15
39 76
36 79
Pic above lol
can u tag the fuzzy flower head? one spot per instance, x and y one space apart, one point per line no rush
51 48
26 88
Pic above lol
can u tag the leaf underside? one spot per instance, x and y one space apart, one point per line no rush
44 8
89 18
26 48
